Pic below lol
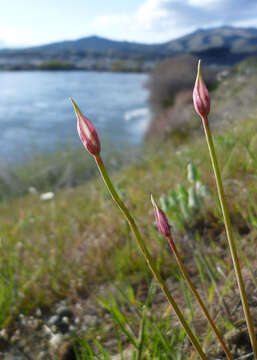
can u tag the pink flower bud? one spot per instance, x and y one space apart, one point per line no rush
161 219
201 95
87 132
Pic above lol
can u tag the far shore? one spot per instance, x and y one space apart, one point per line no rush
15 69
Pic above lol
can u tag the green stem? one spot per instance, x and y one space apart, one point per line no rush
147 255
230 237
192 287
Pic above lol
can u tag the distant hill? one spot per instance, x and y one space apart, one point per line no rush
236 39
224 45
97 44
220 46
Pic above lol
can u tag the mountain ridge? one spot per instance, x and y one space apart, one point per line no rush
221 46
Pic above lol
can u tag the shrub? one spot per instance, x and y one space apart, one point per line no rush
172 76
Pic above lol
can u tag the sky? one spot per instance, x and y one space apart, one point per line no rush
34 22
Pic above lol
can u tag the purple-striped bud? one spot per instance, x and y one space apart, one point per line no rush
87 132
201 95
161 219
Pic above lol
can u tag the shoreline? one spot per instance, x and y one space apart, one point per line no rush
74 69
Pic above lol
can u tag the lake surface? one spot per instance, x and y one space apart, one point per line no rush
36 115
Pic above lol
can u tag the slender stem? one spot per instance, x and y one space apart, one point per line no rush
192 287
230 237
147 255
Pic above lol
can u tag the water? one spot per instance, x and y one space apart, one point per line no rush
36 115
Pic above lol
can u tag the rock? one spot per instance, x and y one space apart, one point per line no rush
90 320
77 320
38 312
47 196
55 342
238 337
72 328
32 190
61 321
46 330
15 336
42 356
126 354
66 351
4 334
64 311
53 320
65 320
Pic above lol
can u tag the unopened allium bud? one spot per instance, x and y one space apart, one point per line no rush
161 219
201 95
87 132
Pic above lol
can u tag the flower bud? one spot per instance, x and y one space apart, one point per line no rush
201 95
161 219
87 132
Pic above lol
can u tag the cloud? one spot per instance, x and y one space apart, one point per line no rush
217 12
150 13
161 20
12 35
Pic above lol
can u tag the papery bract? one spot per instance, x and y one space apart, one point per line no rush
201 97
87 132
161 219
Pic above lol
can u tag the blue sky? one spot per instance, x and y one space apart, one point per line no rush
32 22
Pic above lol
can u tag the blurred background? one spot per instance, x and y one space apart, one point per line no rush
71 275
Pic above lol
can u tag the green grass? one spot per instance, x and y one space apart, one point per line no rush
67 167
139 332
70 245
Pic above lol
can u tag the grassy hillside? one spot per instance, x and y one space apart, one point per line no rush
73 280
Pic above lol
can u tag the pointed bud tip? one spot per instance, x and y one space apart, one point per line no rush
76 108
72 101
199 74
201 97
152 200
87 131
161 219
199 67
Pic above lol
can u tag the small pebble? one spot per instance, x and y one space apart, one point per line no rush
38 312
53 319
47 196
32 190
65 320
72 328
41 355
4 334
55 341
54 328
47 330
64 311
